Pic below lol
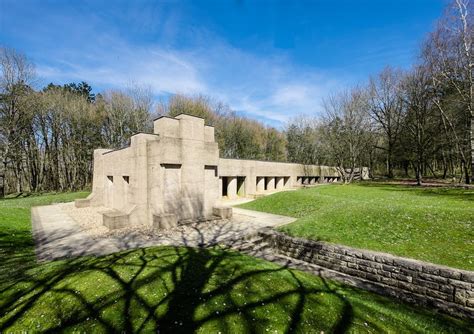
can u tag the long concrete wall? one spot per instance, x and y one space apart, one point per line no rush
265 176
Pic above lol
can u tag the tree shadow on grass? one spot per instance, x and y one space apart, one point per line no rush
16 254
171 290
165 289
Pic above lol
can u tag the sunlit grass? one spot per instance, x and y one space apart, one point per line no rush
430 224
178 289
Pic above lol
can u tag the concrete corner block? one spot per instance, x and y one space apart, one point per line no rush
222 211
165 221
82 203
114 220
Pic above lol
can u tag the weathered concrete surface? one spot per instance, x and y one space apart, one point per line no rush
177 170
259 220
59 235
165 221
223 212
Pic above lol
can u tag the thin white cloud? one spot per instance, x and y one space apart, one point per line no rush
163 71
268 87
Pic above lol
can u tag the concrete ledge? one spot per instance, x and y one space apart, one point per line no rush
165 221
222 211
82 203
114 219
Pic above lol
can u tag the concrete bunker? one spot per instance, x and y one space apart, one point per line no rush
175 175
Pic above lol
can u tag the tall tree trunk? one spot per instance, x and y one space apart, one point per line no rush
472 147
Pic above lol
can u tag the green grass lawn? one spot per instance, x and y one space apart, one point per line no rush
430 224
177 289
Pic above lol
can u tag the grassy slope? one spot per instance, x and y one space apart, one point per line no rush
181 290
434 225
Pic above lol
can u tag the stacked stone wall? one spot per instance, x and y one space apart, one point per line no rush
448 289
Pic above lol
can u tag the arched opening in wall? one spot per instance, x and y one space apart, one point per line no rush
241 185
225 184
286 181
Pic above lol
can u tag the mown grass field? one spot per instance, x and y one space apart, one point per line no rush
177 289
430 224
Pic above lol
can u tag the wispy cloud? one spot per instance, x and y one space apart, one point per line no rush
164 71
270 88
262 71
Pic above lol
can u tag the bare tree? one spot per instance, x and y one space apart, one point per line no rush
16 75
302 134
125 113
420 119
347 130
448 54
386 109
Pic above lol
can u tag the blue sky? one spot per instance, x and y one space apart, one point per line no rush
269 60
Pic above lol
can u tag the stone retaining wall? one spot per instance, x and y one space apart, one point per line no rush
448 289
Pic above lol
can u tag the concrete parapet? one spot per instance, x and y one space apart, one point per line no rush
222 211
165 221
114 219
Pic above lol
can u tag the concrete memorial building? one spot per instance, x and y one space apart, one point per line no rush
175 175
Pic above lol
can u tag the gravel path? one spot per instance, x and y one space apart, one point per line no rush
87 225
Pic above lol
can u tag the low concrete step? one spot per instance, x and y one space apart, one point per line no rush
114 219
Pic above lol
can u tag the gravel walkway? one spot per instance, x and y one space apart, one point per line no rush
62 230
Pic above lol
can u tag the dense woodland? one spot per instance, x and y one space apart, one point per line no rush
414 123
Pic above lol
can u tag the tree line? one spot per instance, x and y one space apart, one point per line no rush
418 122
47 136
400 123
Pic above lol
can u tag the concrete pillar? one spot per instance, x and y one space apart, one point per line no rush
312 180
270 183
232 187
260 184
241 186
279 182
